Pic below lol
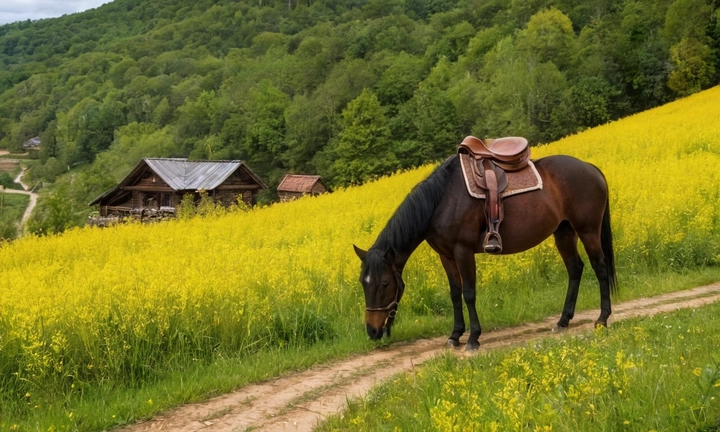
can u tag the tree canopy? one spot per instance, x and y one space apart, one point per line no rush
348 89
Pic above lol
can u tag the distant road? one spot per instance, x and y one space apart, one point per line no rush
33 195
20 181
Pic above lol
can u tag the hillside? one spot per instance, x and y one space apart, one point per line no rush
99 322
346 89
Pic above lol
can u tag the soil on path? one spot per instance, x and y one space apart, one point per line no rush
298 402
33 198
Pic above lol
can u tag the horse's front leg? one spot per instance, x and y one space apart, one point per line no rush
466 265
455 282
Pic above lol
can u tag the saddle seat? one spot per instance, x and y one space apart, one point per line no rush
509 153
493 159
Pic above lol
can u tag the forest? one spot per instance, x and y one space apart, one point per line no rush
347 89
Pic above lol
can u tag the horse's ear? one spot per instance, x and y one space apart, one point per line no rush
359 252
390 256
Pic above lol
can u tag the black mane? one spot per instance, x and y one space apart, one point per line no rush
407 227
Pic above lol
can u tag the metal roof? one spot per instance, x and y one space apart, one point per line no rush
32 142
181 174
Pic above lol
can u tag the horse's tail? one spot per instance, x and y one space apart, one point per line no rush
606 242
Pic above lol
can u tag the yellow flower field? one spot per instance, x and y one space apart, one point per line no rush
92 306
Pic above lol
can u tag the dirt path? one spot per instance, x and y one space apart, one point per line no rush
19 180
297 402
33 198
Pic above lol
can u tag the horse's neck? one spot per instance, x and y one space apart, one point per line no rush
402 254
401 258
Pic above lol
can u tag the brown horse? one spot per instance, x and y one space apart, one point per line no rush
572 204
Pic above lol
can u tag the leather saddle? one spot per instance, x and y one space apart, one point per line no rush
509 153
493 159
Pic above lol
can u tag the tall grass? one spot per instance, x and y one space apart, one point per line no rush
657 373
91 309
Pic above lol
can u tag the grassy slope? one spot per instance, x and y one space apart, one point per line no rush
622 380
272 260
14 207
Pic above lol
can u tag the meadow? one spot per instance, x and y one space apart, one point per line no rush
616 380
102 326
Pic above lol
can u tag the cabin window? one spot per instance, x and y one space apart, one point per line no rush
166 200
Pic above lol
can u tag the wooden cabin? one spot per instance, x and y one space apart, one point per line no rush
159 184
295 185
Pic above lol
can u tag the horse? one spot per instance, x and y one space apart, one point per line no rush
572 204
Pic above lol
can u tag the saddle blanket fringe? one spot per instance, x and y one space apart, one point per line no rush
526 180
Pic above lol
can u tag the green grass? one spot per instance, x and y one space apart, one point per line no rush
17 156
106 406
653 373
12 208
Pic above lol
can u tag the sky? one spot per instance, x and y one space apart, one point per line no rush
21 10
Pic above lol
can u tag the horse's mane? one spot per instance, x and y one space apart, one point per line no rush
407 227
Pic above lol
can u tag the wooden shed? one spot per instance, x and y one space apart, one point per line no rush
295 185
159 184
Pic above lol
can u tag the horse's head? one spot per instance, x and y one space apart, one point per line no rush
383 286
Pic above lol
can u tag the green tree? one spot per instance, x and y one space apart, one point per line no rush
400 80
162 114
7 181
693 69
265 143
307 132
549 37
641 54
687 19
436 121
53 214
48 142
363 147
592 101
119 75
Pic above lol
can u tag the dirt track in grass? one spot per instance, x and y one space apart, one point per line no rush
298 401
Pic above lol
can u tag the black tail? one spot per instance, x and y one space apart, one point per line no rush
606 241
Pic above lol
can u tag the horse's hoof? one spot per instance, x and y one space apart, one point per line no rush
472 347
559 328
453 343
600 324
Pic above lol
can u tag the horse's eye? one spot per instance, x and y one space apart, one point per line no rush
385 283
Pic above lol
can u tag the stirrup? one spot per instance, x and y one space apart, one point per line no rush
492 243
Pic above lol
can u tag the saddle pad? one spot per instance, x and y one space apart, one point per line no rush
525 180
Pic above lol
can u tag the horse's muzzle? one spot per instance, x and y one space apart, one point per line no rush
375 333
376 323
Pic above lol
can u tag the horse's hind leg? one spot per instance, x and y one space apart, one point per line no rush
566 242
593 247
455 281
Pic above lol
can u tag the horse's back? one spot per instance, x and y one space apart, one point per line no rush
573 191
564 168
575 185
